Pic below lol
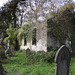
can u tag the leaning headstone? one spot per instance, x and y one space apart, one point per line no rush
27 52
62 61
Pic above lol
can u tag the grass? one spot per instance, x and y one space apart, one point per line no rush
21 65
72 65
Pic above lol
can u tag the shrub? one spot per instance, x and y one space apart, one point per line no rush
42 56
55 48
50 56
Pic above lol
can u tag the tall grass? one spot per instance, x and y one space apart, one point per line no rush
22 65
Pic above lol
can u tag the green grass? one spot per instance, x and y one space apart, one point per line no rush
72 65
20 65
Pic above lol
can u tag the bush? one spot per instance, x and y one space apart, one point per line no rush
42 56
55 48
50 56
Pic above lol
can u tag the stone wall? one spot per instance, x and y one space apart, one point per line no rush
52 42
41 39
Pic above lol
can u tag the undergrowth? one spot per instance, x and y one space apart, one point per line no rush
35 64
22 65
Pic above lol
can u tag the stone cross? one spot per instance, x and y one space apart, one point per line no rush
62 61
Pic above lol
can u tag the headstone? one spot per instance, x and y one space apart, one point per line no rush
62 61
27 52
8 44
68 44
8 51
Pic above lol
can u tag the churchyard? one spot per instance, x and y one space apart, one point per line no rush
21 65
37 37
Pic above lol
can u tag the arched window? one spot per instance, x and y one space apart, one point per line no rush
34 37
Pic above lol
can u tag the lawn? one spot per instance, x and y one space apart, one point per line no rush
72 65
20 65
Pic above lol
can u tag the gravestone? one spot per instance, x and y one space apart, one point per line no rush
27 52
62 61
8 51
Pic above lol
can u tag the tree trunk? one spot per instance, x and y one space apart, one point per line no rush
2 71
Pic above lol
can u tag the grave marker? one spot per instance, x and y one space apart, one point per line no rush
62 61
27 52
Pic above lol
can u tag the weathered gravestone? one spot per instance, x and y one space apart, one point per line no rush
62 61
8 51
27 52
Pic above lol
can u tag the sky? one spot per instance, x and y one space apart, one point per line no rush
4 1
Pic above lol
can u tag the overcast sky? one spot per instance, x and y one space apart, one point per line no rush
4 1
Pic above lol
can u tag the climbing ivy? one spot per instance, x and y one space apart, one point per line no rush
59 25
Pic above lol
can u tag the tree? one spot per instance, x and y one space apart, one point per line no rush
25 30
11 36
60 25
8 15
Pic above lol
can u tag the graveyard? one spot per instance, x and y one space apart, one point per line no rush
37 37
19 65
